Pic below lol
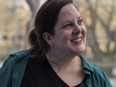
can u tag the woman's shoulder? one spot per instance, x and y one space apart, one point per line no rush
16 62
22 52
100 73
17 55
13 58
96 72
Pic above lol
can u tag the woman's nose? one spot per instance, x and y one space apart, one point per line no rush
77 29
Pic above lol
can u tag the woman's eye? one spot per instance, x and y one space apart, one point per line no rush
80 22
67 26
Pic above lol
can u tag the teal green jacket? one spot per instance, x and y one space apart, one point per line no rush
13 69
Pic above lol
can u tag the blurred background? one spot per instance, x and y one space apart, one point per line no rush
17 17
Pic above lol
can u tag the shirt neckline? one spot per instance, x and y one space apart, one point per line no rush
58 79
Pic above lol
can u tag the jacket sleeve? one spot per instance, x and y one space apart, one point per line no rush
6 71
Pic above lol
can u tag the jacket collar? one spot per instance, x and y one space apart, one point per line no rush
22 53
87 66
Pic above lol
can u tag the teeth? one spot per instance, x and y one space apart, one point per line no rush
78 39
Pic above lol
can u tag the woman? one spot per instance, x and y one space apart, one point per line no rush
55 58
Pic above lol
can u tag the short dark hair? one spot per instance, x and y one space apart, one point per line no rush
45 21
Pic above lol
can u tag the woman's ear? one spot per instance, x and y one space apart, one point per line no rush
48 38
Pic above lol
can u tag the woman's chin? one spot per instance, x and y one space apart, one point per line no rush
80 50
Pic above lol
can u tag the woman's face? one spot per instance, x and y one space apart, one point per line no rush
70 32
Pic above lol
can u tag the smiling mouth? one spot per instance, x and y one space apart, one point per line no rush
77 39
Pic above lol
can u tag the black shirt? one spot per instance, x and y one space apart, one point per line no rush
39 74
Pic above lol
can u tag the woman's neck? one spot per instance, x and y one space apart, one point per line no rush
64 62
